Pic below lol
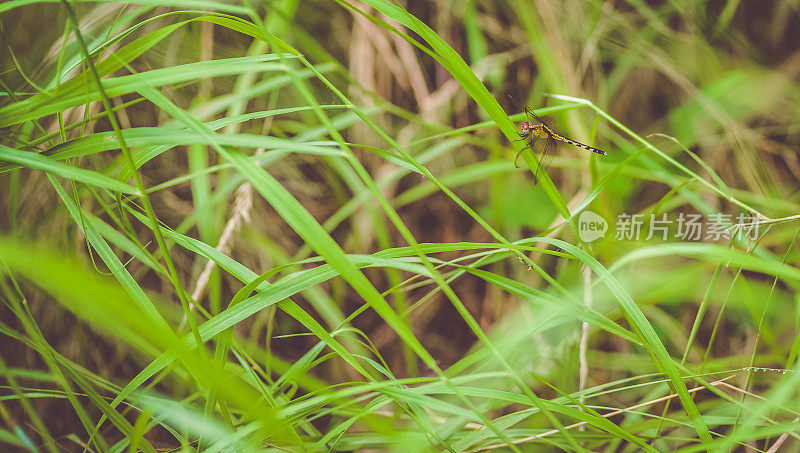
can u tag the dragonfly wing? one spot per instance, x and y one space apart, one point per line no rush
545 155
533 116
544 149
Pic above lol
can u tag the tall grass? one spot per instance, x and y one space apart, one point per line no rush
299 226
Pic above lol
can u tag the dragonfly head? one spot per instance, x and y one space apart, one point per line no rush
525 127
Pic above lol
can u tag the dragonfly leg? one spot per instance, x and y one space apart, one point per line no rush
517 158
519 154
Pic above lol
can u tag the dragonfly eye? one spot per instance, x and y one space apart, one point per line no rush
525 126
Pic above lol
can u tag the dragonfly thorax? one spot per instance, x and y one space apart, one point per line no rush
536 130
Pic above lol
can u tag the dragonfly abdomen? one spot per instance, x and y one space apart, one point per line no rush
579 144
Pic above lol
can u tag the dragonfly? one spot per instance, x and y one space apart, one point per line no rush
543 141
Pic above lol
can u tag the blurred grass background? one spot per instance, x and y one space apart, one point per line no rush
324 195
